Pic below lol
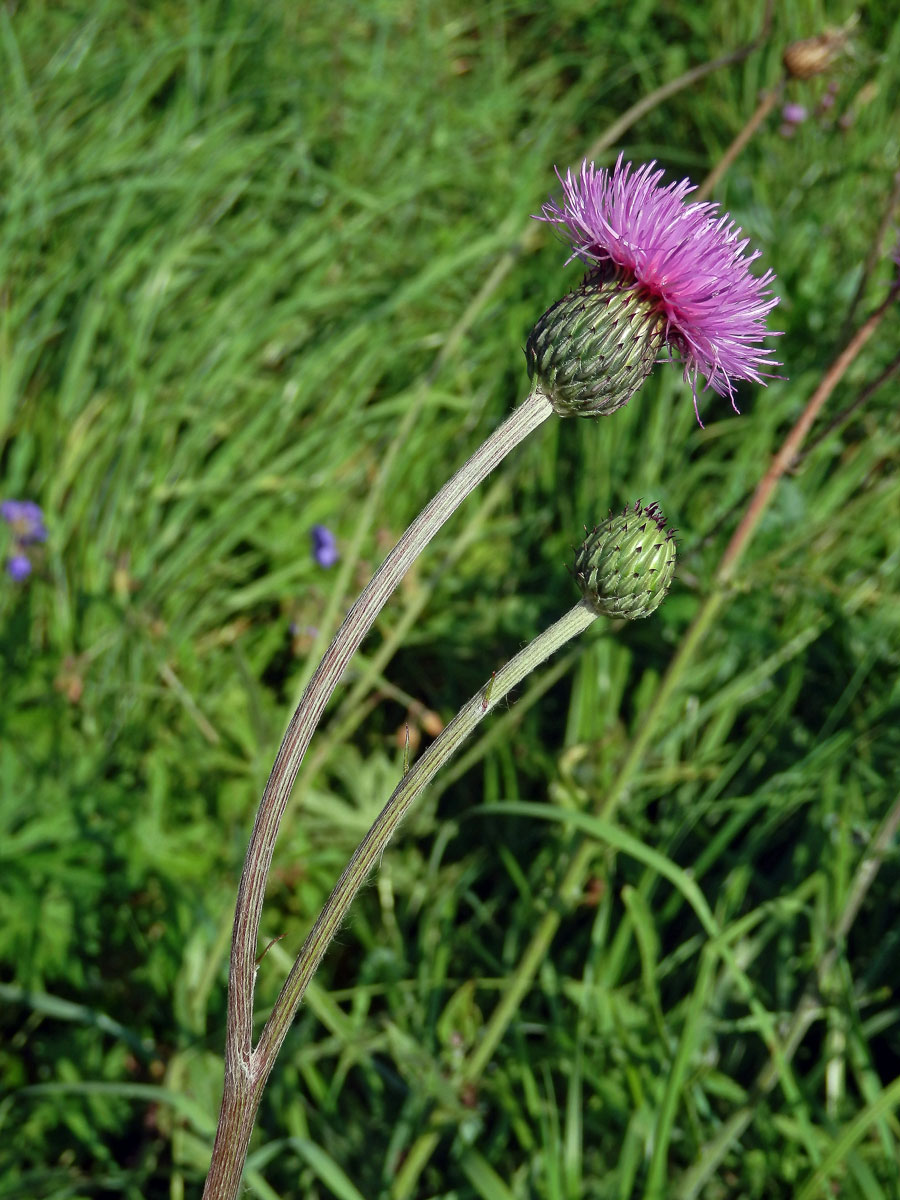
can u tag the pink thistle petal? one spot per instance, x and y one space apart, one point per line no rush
692 263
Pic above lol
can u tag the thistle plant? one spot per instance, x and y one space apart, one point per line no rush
665 277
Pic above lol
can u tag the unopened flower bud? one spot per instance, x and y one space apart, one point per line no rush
626 565
594 348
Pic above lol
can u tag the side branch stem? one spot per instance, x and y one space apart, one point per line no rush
373 844
579 866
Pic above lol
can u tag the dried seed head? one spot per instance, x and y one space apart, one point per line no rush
626 565
816 55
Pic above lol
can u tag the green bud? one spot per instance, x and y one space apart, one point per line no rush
626 565
594 348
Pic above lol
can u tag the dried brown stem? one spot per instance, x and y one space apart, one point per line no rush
794 440
647 103
845 414
874 256
246 1068
765 106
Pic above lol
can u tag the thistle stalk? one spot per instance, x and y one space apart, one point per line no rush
244 1079
247 1079
624 568
244 1090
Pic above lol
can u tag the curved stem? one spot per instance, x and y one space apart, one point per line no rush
355 626
242 1086
372 846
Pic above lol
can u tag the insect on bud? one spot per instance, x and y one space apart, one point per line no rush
626 565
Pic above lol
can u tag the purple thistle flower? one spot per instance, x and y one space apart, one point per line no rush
26 521
18 567
324 546
794 114
688 263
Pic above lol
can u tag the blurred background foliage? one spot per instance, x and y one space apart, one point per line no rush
240 247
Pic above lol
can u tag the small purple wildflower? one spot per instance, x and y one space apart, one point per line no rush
324 546
26 523
25 519
18 567
794 114
688 262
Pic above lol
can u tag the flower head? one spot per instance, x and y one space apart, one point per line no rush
689 265
792 115
324 546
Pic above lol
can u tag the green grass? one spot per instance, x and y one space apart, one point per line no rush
236 239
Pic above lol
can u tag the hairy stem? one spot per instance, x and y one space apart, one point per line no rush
241 1064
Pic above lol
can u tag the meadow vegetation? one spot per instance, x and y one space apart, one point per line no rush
268 266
